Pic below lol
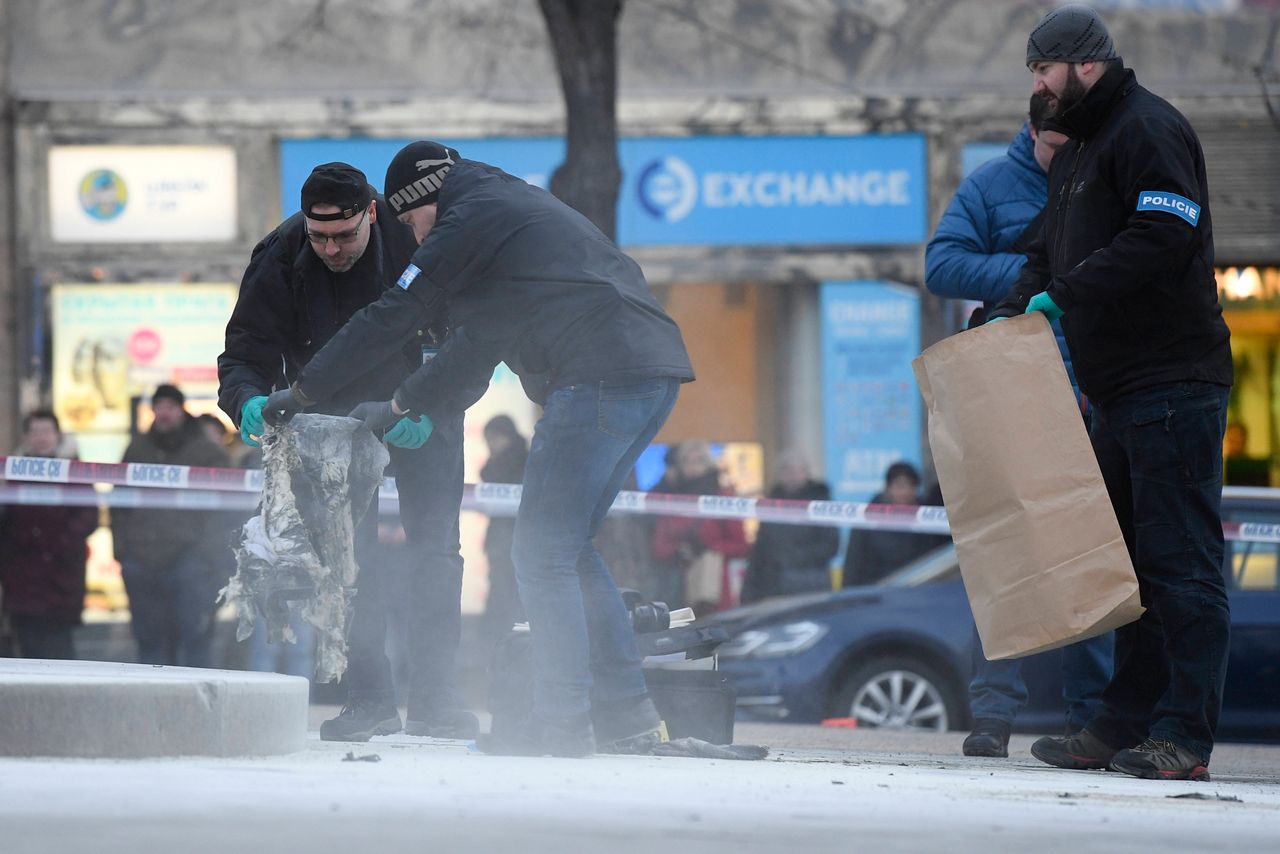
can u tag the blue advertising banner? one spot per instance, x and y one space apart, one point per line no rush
773 190
716 191
871 407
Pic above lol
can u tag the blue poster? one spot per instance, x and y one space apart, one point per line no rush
711 191
781 190
871 406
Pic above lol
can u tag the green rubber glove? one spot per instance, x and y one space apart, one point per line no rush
1044 304
994 319
251 419
408 433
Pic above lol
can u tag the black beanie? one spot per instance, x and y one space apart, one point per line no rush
339 184
1072 33
416 173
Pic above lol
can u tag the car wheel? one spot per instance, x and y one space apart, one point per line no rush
897 693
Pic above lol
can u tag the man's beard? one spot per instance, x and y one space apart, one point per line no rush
1073 92
342 266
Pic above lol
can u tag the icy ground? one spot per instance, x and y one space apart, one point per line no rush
850 791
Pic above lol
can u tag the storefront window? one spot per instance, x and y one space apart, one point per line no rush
1250 297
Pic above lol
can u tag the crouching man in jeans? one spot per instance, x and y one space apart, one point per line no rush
531 282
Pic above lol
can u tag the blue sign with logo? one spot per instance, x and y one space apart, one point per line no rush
717 191
871 407
773 190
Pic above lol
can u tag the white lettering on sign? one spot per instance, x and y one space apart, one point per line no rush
154 474
879 311
874 188
37 468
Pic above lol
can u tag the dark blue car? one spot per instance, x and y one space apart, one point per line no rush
897 654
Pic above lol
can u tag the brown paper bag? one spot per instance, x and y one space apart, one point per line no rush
1042 556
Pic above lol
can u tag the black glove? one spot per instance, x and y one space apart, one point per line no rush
281 406
378 416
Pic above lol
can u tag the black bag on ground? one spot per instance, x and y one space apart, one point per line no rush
696 703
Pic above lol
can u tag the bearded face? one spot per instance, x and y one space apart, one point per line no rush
1059 83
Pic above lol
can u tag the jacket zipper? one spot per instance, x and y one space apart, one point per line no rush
1064 204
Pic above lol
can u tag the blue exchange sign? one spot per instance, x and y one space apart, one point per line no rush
716 191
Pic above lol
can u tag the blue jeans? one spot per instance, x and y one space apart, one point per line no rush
1160 451
429 480
998 692
172 609
587 441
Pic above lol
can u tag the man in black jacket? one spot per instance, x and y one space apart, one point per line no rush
1125 258
304 280
531 282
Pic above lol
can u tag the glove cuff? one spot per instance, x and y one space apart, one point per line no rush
303 400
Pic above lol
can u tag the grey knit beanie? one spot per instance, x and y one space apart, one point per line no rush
1072 33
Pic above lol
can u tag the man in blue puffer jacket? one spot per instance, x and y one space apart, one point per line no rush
976 254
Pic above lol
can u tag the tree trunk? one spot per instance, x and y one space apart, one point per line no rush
584 37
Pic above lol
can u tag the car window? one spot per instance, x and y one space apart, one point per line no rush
1252 565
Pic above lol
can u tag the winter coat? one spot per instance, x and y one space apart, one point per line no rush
42 559
155 537
725 536
1127 245
978 249
291 304
528 281
792 558
873 554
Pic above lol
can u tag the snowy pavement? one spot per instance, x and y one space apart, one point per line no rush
819 791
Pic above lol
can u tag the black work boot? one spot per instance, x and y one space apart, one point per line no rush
569 737
990 737
1083 751
630 726
361 719
446 723
1160 759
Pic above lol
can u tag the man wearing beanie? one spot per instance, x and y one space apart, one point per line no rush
1125 259
304 280
531 282
173 561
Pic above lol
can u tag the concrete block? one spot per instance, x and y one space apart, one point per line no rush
105 709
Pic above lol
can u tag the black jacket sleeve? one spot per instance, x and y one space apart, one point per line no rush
1153 156
456 378
261 326
373 334
447 261
1033 278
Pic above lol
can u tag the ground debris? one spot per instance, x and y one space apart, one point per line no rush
368 757
1204 796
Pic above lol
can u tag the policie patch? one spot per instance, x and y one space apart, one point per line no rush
1162 200
406 278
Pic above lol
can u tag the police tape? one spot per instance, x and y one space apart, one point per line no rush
47 481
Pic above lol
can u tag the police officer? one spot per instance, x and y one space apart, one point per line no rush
1125 258
531 282
304 280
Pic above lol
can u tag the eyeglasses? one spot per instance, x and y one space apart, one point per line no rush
342 238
